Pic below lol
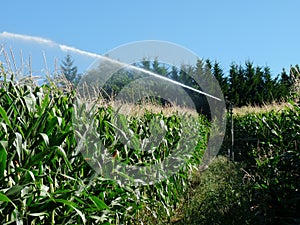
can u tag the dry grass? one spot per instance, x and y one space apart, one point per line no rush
140 109
275 106
94 95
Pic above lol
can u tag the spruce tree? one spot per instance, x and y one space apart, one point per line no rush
235 84
69 70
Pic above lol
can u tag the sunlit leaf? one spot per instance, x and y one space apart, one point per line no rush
3 158
99 203
4 198
4 116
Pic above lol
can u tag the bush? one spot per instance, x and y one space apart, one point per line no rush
220 196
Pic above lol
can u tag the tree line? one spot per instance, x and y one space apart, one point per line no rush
244 84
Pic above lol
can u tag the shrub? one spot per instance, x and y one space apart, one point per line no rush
219 197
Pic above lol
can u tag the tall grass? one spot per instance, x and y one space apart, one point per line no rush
274 106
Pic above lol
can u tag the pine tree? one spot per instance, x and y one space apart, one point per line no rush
223 81
284 85
269 90
69 71
236 84
174 74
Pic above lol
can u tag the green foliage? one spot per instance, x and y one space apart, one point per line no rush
262 186
218 196
269 145
116 78
243 85
44 180
250 85
69 71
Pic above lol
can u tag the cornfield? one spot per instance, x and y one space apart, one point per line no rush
44 179
268 144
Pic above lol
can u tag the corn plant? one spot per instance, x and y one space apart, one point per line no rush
269 143
44 179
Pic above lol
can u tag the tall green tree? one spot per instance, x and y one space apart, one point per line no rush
284 85
254 85
269 92
69 70
221 78
236 84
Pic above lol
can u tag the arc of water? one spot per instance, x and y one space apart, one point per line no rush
94 55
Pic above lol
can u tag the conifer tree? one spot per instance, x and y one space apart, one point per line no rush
69 70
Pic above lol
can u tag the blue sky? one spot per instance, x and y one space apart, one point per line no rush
263 31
